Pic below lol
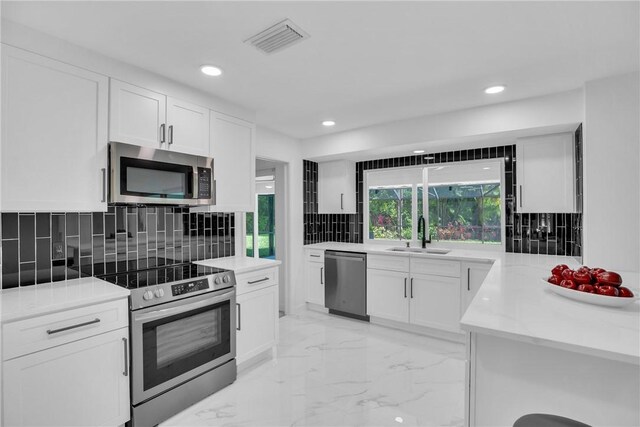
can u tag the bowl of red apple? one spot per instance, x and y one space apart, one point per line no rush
590 285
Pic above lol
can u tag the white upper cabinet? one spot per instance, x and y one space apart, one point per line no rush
545 173
188 127
150 119
234 163
337 187
54 135
137 115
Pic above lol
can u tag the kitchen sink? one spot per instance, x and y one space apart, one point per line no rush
421 251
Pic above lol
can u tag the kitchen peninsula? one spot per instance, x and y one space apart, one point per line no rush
532 351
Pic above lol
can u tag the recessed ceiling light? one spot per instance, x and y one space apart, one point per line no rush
486 169
418 151
328 123
268 186
211 70
495 89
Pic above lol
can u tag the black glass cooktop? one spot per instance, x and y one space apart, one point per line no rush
158 275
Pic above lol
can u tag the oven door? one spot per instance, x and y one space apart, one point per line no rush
174 342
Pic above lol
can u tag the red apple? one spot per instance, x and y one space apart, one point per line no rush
597 270
582 277
586 288
569 284
557 270
610 278
607 290
555 280
584 269
624 292
567 274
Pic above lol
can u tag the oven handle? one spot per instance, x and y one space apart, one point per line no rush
157 314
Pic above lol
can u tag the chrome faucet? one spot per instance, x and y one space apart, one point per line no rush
422 225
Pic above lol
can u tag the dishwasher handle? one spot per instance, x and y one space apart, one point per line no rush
347 256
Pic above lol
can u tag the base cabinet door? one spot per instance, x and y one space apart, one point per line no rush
435 302
473 275
387 295
315 283
83 383
54 135
256 322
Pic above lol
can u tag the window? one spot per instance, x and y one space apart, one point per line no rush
464 203
390 213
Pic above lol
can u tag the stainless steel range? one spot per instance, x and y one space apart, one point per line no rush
183 342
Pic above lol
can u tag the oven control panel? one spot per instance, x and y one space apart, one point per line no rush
185 288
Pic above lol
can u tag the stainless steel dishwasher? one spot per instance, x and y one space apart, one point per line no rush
345 289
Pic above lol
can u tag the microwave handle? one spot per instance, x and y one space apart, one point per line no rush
215 191
104 185
157 314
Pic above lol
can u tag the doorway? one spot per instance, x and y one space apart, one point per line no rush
265 227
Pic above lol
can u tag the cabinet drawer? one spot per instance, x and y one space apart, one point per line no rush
257 279
38 333
435 267
315 255
388 262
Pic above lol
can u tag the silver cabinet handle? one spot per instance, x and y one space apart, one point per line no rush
322 275
315 256
162 133
104 185
405 287
79 325
468 278
411 288
521 196
126 357
239 315
258 281
341 201
170 134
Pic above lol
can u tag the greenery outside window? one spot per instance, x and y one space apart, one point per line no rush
464 203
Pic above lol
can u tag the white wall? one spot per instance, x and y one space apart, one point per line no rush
271 145
611 178
547 112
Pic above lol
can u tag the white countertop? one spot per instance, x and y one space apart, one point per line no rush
513 302
240 264
36 300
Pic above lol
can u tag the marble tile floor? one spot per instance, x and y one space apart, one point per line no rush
333 371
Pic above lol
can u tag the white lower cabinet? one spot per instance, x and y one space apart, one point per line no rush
435 302
387 295
473 274
315 282
83 382
403 295
257 313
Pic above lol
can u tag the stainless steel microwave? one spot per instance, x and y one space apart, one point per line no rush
143 175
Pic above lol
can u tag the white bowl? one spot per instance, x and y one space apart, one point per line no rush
592 298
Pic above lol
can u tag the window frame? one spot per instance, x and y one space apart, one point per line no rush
412 170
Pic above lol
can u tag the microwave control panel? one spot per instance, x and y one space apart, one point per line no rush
204 183
185 288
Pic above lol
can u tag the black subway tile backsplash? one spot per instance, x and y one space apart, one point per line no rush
538 233
45 247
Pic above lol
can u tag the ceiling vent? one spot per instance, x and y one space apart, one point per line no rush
277 37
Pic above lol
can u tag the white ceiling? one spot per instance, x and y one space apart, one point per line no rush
365 62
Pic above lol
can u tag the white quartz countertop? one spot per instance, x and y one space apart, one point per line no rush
513 302
240 264
36 300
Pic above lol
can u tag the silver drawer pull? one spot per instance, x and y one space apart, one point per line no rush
258 281
79 325
315 256
125 345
